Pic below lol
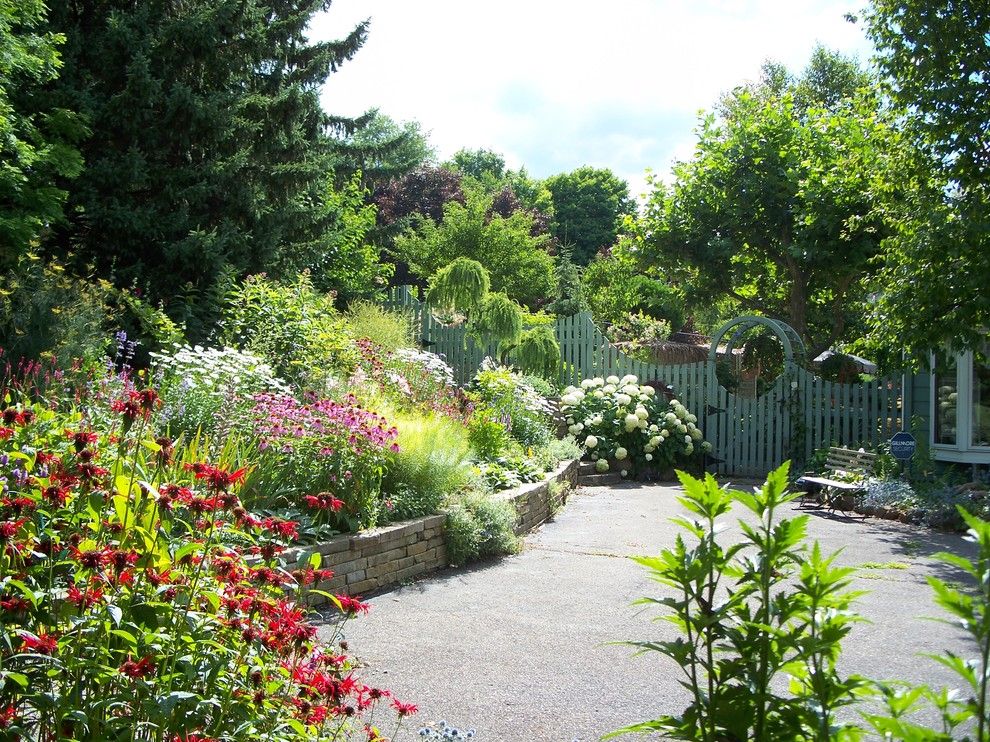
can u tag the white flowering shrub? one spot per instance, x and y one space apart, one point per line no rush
432 364
202 388
512 399
621 421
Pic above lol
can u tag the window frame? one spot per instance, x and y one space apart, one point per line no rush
963 450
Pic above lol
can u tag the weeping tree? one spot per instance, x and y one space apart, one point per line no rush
538 352
464 287
460 286
499 320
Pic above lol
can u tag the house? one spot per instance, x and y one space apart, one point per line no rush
952 404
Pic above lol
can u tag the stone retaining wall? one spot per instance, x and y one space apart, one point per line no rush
380 558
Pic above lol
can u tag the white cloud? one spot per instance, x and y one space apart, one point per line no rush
555 84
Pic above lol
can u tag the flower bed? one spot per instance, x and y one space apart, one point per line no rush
141 600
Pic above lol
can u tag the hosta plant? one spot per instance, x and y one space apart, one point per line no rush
140 600
624 422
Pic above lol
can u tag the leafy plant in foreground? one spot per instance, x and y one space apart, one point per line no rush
749 613
971 612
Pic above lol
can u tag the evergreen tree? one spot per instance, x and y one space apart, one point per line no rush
382 150
209 154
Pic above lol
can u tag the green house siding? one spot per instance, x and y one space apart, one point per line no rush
920 405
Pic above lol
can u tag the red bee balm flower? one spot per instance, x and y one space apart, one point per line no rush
215 477
404 709
40 644
140 669
352 605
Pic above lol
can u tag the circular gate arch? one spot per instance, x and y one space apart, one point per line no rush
795 352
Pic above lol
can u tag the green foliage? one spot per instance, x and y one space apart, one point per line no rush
548 455
511 399
932 291
149 325
969 609
208 150
569 298
589 206
480 526
479 164
293 327
343 261
778 208
390 330
460 286
517 261
382 150
36 142
619 284
747 614
461 535
44 310
488 434
499 319
538 352
430 466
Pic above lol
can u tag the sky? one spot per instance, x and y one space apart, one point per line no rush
556 84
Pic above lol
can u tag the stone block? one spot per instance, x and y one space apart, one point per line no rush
418 548
358 575
386 556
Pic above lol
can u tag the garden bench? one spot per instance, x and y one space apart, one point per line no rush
845 475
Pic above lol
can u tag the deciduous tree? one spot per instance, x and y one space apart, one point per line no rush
517 261
589 206
777 208
933 290
37 151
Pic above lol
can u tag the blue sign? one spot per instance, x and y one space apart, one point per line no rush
902 446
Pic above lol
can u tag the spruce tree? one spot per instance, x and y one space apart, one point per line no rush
210 156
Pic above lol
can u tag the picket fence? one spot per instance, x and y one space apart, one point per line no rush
798 414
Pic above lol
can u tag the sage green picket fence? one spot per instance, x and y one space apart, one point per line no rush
799 413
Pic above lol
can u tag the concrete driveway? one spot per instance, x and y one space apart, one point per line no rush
519 648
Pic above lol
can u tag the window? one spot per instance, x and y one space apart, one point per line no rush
960 408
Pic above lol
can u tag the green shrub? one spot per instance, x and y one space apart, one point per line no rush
488 435
552 453
430 465
525 413
390 330
44 310
462 534
496 520
293 327
480 526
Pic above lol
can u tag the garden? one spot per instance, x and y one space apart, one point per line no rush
150 498
205 396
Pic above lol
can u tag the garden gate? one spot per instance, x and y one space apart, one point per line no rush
799 413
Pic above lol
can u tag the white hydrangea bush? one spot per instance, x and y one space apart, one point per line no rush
622 421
